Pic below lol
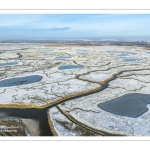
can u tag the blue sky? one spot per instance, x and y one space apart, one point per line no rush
74 26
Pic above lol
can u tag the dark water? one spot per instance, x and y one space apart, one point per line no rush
70 67
20 81
9 63
131 59
37 114
124 54
62 57
130 105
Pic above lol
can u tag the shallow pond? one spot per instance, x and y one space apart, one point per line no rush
147 52
130 105
62 57
70 67
110 51
20 81
131 59
49 55
9 63
40 115
124 54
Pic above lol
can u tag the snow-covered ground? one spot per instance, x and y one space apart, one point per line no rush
102 64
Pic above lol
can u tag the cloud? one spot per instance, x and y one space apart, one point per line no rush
58 28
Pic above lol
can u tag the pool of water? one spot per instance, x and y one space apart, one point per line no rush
124 54
147 52
130 105
9 63
62 57
131 59
20 81
49 55
40 115
110 51
70 67
83 52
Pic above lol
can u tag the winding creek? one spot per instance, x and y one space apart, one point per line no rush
37 112
41 115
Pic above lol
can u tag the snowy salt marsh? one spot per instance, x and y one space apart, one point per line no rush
70 67
130 105
20 81
76 85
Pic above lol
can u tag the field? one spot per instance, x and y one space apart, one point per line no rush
75 89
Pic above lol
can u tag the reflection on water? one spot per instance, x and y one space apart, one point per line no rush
32 126
3 115
34 119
